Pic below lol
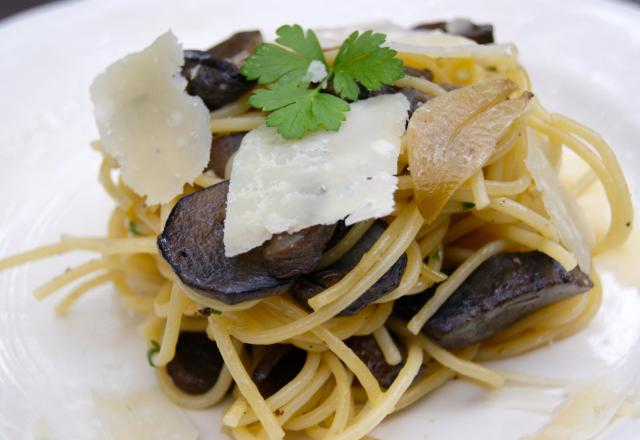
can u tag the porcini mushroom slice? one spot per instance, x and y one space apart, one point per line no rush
452 135
197 363
502 290
368 350
237 47
192 243
314 283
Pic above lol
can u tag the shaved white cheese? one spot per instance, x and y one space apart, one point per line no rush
145 414
158 134
455 50
316 71
334 36
539 400
41 430
591 407
431 43
433 38
586 412
279 185
566 216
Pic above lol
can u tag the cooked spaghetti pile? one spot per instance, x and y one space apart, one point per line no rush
485 255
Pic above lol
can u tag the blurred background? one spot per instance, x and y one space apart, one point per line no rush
11 7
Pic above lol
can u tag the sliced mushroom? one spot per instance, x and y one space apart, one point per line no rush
416 99
420 73
385 89
237 47
222 149
453 135
502 290
287 255
278 366
314 283
369 352
192 243
216 81
197 363
480 33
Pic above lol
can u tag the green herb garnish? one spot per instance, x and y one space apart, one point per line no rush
467 206
154 348
437 254
133 228
206 311
297 75
297 109
362 60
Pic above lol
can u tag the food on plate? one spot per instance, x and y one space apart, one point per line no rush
328 227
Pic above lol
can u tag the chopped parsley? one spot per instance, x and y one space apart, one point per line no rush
154 348
297 76
206 311
133 228
467 206
437 254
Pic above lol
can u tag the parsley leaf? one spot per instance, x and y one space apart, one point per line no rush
287 69
288 62
298 109
361 59
437 254
133 228
467 206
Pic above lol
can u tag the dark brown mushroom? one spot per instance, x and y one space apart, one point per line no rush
385 89
216 81
287 255
222 148
420 73
192 243
480 33
416 98
502 290
369 352
278 366
314 283
237 47
197 363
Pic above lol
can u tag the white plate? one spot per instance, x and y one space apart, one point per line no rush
583 59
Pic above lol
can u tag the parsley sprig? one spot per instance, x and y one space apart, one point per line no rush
298 101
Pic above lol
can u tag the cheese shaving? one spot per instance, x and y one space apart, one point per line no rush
141 415
285 186
158 134
566 216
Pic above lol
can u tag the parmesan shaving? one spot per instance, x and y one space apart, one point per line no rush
566 216
586 413
158 134
484 51
142 415
542 401
431 43
591 407
316 71
285 186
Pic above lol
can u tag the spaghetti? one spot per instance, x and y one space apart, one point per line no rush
335 395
